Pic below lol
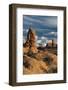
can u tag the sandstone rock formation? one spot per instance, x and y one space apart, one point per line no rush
29 45
36 61
52 44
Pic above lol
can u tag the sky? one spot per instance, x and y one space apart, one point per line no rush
44 26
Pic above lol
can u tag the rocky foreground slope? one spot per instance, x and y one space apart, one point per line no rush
36 61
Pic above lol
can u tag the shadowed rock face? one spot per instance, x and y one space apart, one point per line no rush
30 42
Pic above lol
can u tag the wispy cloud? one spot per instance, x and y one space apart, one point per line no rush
50 21
27 22
32 19
51 33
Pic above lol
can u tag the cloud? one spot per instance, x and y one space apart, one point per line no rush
44 38
28 18
42 41
49 21
27 22
25 30
53 33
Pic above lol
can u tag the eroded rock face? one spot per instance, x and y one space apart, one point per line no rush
30 42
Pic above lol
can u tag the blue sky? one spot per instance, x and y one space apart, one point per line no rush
44 26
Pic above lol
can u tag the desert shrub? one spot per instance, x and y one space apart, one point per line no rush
26 64
52 70
47 59
31 54
55 70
